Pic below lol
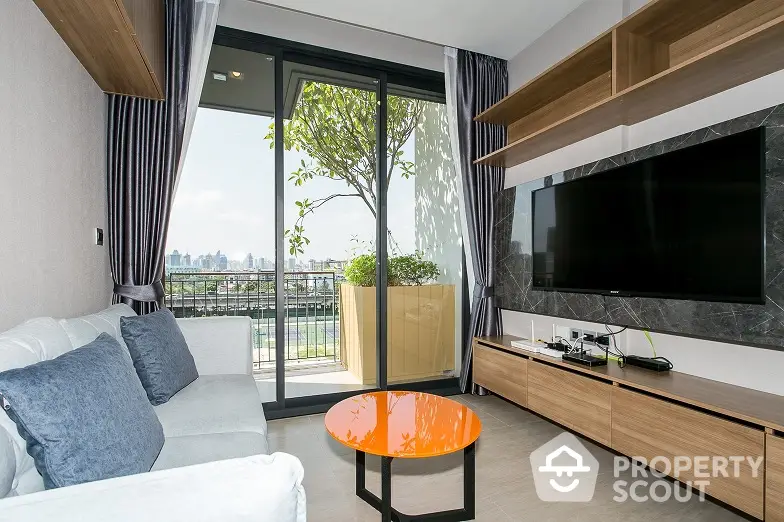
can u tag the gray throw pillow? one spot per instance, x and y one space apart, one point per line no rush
160 354
84 415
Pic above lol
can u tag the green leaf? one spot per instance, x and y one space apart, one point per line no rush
334 127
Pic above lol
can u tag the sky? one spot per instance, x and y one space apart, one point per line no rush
225 197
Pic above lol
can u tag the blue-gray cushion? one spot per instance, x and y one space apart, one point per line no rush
160 354
84 415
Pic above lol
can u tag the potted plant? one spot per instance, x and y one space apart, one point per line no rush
420 319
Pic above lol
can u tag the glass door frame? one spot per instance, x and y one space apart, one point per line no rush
383 73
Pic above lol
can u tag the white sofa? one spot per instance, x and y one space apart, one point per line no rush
214 463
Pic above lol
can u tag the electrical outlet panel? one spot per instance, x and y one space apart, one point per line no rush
587 337
575 334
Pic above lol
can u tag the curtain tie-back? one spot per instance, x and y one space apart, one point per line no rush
483 292
146 293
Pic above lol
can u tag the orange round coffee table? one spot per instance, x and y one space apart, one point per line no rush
409 425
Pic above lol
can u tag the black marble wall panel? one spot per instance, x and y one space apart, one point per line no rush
761 325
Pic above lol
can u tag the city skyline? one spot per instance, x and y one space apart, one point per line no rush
241 258
219 262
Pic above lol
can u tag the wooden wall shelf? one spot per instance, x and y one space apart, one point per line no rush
666 55
121 43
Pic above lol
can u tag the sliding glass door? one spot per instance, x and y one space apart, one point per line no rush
424 238
221 239
329 135
314 178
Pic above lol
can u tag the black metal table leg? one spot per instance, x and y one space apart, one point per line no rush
386 489
469 481
360 473
384 504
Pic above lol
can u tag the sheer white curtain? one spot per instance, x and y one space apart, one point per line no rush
450 74
205 18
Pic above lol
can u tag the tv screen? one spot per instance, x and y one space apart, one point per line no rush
688 224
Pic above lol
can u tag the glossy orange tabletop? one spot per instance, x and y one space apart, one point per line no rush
403 424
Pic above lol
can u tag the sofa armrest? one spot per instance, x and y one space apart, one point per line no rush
220 345
261 488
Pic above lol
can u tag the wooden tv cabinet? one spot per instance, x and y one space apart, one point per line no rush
640 413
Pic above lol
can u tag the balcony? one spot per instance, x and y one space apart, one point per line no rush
312 323
421 327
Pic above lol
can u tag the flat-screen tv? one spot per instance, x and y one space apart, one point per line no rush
688 224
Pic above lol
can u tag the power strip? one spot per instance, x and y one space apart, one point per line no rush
648 363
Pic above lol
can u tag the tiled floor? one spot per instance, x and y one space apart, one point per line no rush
504 485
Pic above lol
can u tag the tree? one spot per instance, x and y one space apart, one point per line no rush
336 127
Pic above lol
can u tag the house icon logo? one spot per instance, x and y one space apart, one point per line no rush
564 470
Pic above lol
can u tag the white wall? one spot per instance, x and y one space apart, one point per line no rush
740 365
436 222
304 28
52 174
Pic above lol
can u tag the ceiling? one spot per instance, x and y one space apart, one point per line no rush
254 93
499 28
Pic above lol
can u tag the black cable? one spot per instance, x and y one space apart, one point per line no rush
663 359
623 329
616 352
567 343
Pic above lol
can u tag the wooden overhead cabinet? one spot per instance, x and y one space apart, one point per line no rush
666 55
121 43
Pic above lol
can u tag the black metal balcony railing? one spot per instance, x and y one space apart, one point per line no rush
311 309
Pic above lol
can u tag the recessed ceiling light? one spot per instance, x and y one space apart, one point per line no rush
236 75
219 76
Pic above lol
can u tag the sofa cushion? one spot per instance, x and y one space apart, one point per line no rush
31 342
160 354
84 415
85 329
253 489
214 404
189 450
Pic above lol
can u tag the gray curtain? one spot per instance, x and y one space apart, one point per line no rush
481 82
144 143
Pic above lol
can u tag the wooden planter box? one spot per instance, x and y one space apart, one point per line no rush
421 331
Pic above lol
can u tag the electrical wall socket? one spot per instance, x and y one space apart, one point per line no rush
575 334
